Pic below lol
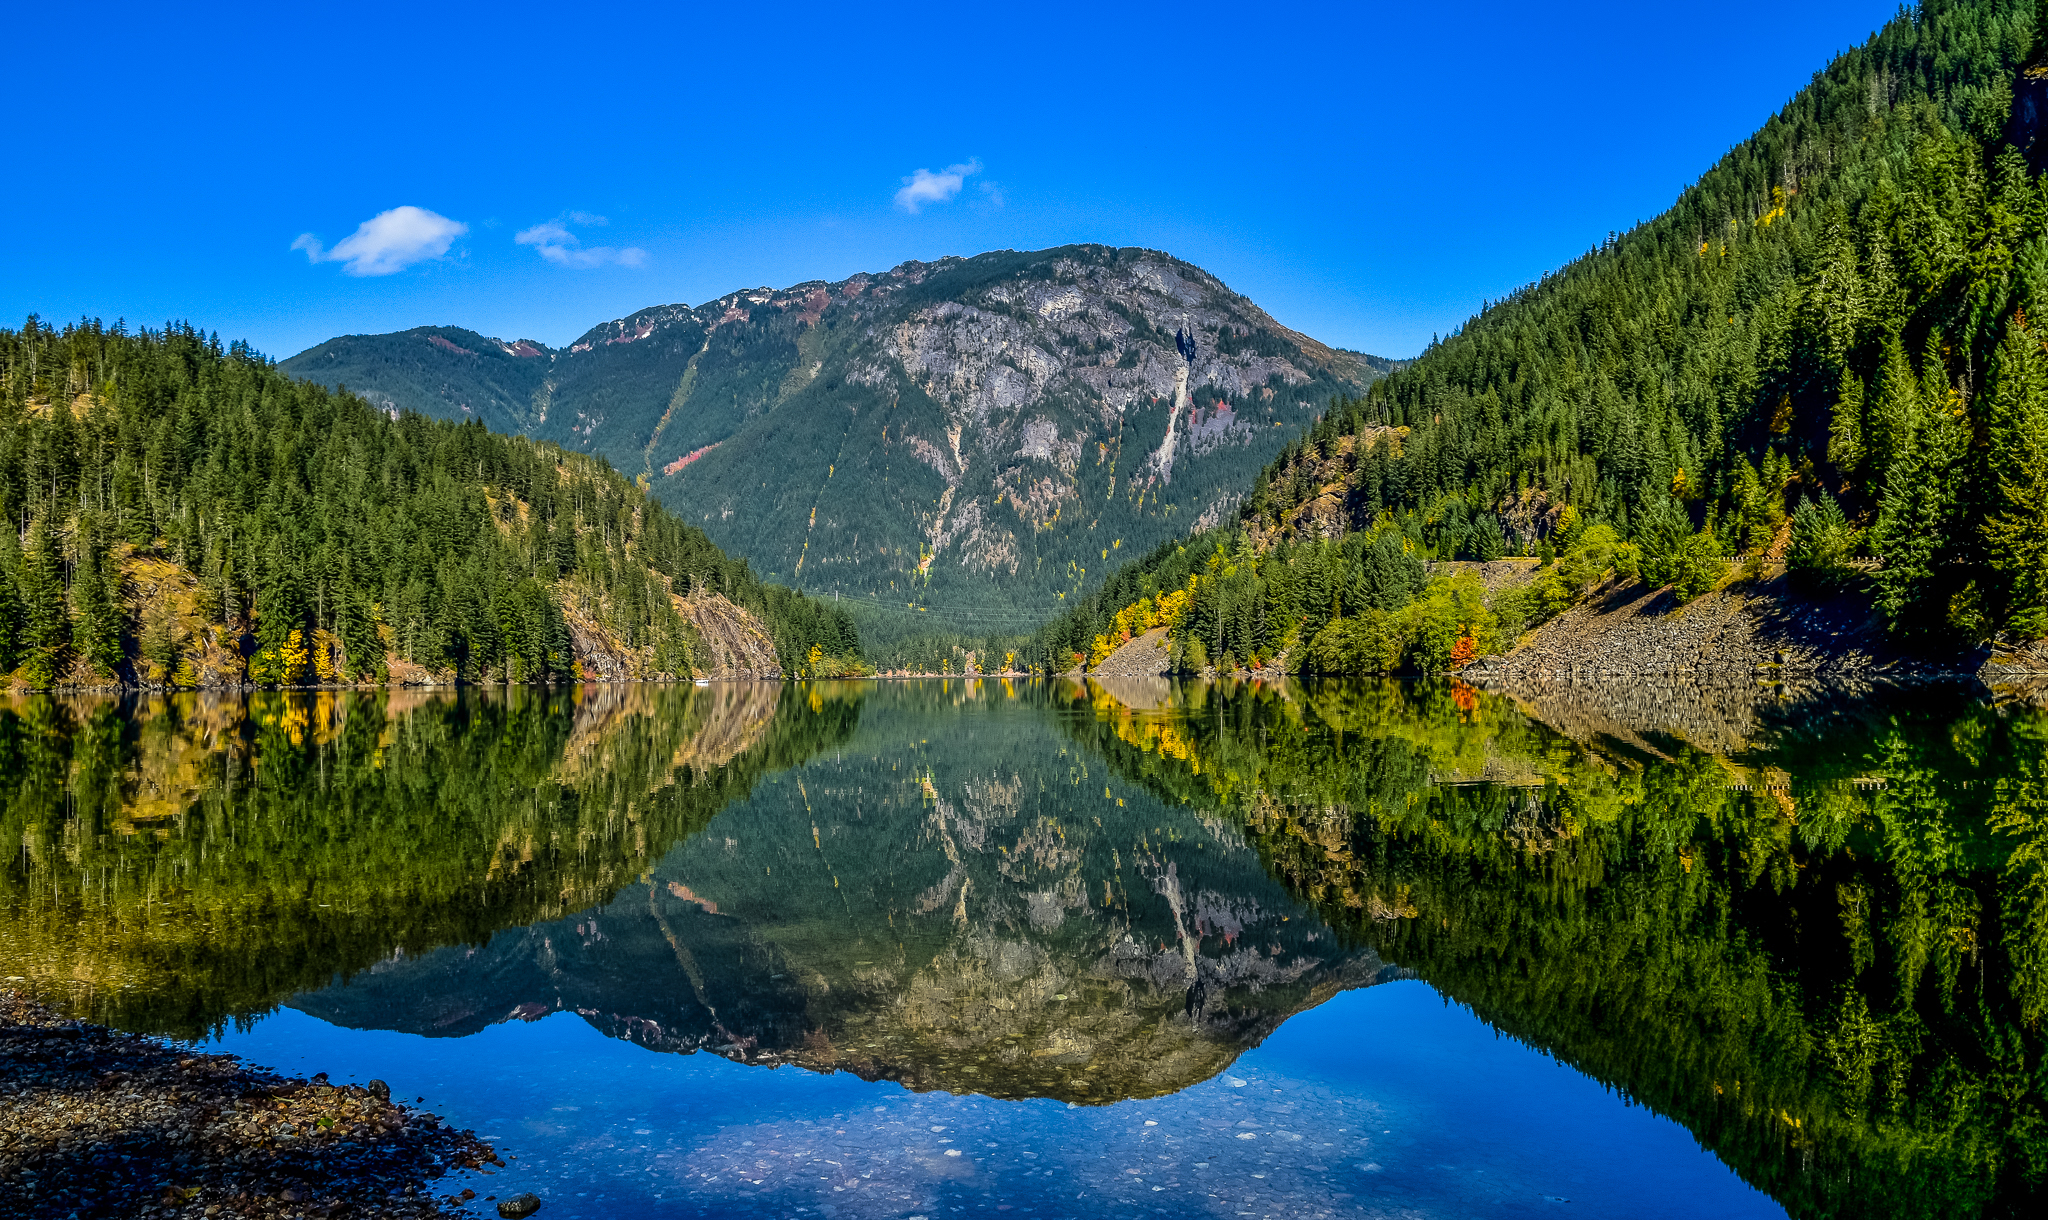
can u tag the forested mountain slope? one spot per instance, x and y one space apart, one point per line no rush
442 371
975 436
1823 348
188 516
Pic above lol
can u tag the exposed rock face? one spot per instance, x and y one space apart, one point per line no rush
1331 500
174 628
738 645
599 656
735 645
180 643
959 430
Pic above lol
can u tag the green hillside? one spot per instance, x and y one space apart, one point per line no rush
967 442
1822 349
189 516
442 371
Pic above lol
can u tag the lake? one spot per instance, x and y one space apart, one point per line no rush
1054 949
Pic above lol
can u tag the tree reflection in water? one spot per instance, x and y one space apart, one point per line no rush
1822 950
1813 932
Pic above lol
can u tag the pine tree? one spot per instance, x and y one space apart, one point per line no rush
1822 542
1845 431
1895 399
12 624
2015 533
283 641
46 625
1916 520
95 591
356 624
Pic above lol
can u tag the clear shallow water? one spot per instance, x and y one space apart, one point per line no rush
961 947
1379 1102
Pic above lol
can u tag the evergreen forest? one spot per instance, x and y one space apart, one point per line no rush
184 515
1829 350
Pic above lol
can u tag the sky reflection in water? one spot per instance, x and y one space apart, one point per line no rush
926 949
1384 1101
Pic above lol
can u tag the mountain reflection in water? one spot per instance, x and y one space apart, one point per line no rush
961 899
1813 931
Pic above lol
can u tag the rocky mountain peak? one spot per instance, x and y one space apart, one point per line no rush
969 436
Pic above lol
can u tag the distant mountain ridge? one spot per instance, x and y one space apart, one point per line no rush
972 435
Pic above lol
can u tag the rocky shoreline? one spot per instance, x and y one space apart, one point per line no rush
95 1122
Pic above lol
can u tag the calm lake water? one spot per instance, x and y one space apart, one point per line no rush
975 947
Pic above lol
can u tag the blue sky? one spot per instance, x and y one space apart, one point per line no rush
1367 173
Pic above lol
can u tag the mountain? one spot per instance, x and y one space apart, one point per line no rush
1827 347
973 436
193 517
442 371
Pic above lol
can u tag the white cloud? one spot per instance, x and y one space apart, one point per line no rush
924 186
587 218
387 242
558 245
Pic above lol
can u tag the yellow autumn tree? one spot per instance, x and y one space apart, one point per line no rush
280 663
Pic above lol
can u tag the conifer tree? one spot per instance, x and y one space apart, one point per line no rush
1894 402
2015 532
95 591
11 624
1916 519
46 625
356 624
1822 542
1845 430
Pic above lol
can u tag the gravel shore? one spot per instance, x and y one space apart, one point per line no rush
94 1122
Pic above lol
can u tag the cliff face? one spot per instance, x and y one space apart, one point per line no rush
960 433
